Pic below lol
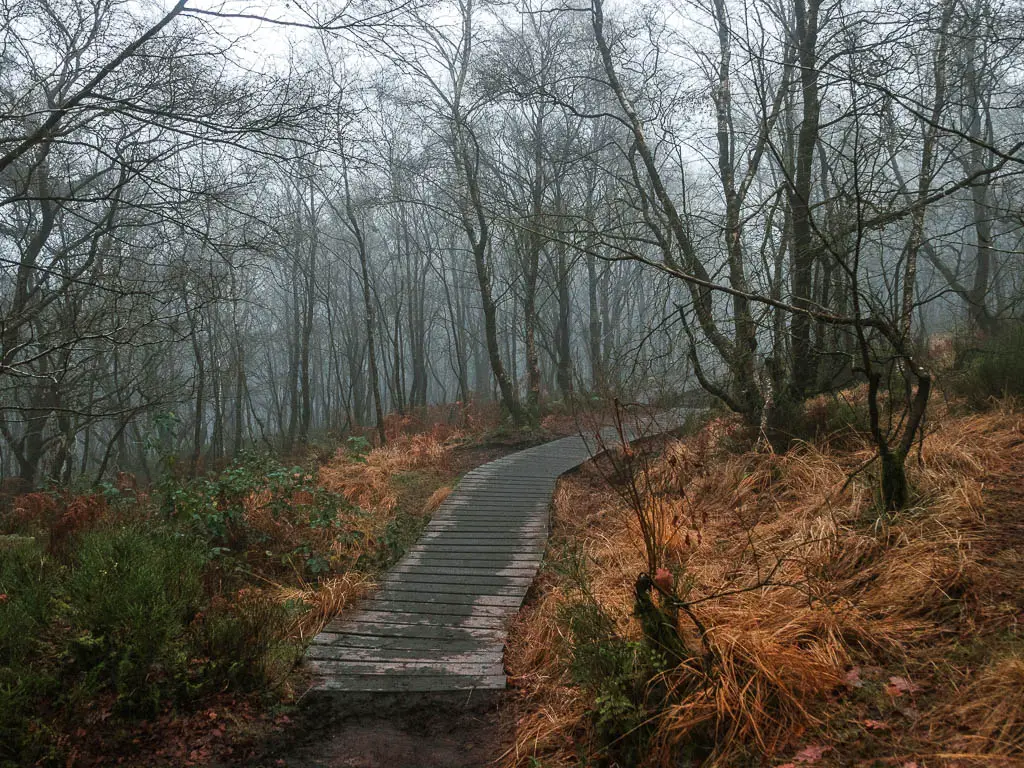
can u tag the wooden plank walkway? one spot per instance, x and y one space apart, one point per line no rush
438 622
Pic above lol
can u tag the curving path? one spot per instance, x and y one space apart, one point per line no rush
439 621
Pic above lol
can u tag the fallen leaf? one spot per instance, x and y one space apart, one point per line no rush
811 754
853 678
875 725
899 685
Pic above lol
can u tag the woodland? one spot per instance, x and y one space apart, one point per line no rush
274 275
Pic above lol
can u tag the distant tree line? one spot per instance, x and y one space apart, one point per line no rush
428 202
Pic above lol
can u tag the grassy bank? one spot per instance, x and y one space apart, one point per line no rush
789 620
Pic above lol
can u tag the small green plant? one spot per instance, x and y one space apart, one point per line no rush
400 533
358 447
615 671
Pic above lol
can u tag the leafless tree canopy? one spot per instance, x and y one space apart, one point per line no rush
223 227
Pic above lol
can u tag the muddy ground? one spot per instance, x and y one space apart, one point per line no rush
451 730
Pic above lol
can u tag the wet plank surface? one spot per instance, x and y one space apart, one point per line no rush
438 621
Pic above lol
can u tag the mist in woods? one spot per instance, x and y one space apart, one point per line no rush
226 227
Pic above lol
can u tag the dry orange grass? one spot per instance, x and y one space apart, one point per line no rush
846 583
437 498
367 482
993 709
286 529
326 600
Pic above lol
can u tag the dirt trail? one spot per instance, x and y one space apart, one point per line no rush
392 731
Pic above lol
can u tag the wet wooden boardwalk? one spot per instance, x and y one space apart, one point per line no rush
438 622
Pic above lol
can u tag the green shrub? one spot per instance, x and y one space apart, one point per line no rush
26 591
132 592
358 447
137 612
215 506
245 644
990 368
27 585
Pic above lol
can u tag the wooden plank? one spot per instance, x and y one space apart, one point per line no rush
410 684
470 529
482 536
505 478
478 559
508 495
512 513
472 579
462 536
402 643
509 548
516 500
373 617
456 525
446 519
511 518
495 492
496 518
513 507
532 557
502 541
534 472
439 550
513 510
496 496
378 629
492 654
494 564
404 668
413 606
490 579
432 619
490 552
462 579
488 519
537 523
459 569
450 588
449 598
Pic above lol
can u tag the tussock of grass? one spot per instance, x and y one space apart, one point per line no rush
367 482
993 708
798 577
326 599
437 498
